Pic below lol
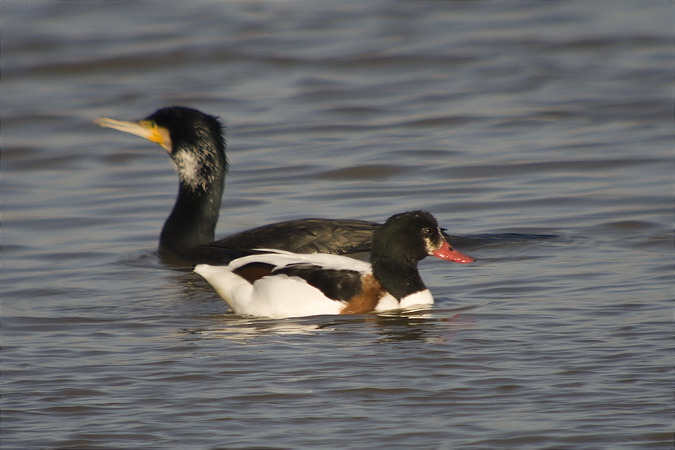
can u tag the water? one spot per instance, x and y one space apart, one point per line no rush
508 121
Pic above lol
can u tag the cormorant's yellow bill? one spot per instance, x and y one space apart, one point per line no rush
145 128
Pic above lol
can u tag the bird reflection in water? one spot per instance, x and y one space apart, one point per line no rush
416 326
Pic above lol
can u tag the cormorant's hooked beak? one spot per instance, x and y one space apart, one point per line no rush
145 128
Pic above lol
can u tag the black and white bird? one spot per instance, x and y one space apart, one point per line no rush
279 284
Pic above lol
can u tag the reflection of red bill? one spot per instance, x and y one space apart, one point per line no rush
448 253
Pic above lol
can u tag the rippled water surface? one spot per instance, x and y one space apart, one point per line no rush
539 133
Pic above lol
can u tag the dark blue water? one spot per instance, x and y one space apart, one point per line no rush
540 133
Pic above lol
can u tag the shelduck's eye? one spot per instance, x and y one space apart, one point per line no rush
427 231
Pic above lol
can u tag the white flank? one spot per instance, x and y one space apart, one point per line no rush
276 297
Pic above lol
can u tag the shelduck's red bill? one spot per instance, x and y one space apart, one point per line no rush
448 253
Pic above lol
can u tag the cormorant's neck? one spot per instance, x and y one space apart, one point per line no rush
192 221
195 214
399 278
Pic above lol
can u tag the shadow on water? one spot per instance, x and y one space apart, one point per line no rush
431 329
432 326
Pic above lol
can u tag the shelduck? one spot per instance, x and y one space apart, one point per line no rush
280 284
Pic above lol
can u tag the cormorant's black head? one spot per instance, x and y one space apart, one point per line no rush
194 140
189 128
197 145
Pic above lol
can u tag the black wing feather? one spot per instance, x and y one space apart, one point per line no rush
336 284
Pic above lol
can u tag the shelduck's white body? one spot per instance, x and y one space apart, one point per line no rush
279 284
279 295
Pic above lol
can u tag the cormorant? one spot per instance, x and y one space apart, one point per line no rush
196 144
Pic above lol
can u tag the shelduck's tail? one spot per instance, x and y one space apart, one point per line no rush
230 286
